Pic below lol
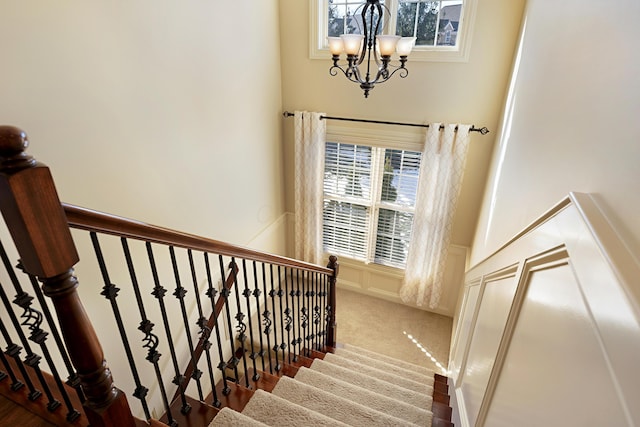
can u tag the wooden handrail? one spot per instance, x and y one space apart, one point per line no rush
90 220
35 218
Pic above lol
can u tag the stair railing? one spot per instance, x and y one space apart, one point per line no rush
286 306
38 226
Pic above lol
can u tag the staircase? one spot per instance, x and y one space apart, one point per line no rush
200 330
347 386
341 386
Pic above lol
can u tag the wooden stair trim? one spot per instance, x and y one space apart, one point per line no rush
266 382
39 406
200 414
442 412
150 423
236 399
313 354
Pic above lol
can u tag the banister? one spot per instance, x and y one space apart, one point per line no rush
91 220
36 221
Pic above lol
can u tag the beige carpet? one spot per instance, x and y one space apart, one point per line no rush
339 394
390 329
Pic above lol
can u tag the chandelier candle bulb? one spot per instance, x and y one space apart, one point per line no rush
336 46
352 43
387 44
405 45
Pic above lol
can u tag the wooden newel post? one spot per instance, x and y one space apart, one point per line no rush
38 225
331 330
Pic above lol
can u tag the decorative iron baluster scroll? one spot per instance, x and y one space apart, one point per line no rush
266 319
247 296
150 340
180 292
233 362
110 292
159 292
272 294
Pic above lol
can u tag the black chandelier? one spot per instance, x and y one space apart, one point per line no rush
370 45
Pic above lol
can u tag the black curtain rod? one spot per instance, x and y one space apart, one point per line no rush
482 130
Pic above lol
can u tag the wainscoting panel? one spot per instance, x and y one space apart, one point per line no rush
549 328
493 310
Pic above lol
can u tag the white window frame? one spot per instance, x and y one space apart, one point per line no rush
409 139
319 49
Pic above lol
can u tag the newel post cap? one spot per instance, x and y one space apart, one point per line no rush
32 210
13 143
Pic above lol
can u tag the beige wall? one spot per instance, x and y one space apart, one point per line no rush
468 92
145 109
571 123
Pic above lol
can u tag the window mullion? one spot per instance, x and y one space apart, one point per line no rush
377 172
393 6
417 18
435 36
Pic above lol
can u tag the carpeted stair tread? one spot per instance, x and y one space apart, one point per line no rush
420 400
278 412
385 366
338 408
229 418
380 374
367 397
384 358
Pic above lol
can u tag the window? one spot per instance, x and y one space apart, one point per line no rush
441 28
369 201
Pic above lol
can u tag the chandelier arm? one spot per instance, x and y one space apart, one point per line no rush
353 74
402 72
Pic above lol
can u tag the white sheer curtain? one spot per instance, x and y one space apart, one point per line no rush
310 133
441 171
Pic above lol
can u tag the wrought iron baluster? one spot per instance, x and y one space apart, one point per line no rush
211 293
283 344
180 292
233 362
272 294
327 310
304 312
159 292
204 331
150 340
288 318
14 350
110 292
256 294
323 311
247 296
316 310
300 314
241 327
32 319
309 294
16 384
266 319
292 293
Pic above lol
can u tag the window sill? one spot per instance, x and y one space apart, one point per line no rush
361 265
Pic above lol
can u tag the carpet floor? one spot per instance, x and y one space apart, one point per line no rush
353 388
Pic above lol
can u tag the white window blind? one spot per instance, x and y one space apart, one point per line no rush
369 200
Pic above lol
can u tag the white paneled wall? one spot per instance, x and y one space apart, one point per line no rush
549 327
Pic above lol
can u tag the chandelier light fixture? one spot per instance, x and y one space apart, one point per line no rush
369 54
